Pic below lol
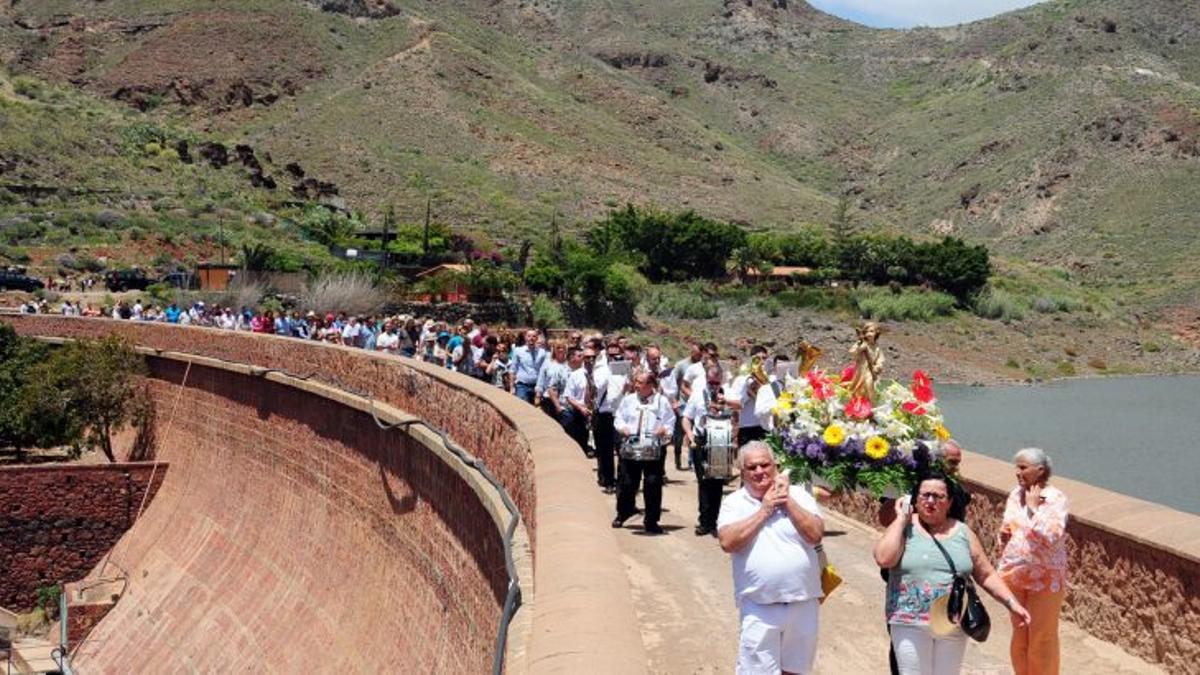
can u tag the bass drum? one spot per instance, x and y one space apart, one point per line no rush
719 453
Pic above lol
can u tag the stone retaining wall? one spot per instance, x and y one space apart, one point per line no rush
1134 566
57 521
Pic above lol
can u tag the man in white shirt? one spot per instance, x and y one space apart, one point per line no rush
683 392
695 370
644 417
772 529
603 433
705 401
352 332
389 340
585 392
743 396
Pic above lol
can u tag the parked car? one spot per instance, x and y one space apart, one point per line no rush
19 282
182 280
126 280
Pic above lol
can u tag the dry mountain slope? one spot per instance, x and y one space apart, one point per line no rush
1066 133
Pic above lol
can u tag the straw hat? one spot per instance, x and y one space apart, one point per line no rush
939 617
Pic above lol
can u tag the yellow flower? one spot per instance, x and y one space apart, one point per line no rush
786 402
834 435
877 447
941 432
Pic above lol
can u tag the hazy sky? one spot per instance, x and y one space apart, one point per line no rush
909 13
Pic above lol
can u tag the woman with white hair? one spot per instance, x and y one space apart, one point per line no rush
1034 561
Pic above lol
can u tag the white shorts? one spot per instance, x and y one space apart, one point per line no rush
779 637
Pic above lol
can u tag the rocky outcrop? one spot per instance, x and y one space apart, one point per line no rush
369 9
622 60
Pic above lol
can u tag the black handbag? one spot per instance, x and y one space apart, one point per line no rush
964 606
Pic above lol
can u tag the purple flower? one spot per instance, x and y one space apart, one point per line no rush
854 447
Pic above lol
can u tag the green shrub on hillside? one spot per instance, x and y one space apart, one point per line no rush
547 313
770 306
907 305
676 302
827 299
1051 304
997 303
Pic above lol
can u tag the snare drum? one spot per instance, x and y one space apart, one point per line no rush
641 448
720 460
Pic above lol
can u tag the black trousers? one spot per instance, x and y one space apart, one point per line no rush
631 473
747 434
709 491
604 436
576 427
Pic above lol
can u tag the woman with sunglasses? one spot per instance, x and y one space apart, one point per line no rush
920 574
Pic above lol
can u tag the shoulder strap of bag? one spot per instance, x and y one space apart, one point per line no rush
953 571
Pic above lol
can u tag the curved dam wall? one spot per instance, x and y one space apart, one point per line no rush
292 534
292 530
1133 566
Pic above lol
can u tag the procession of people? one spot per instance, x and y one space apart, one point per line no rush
627 407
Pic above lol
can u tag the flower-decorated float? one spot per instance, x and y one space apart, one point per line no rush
849 430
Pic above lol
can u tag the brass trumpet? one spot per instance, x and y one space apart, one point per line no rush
807 354
758 369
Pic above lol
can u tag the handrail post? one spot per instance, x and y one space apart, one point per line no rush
65 662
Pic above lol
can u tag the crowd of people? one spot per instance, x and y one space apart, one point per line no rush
628 407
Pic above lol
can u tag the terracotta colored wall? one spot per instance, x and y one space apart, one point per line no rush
292 528
56 522
81 619
487 431
576 613
1134 566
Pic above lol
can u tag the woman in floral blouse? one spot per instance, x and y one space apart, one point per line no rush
1034 561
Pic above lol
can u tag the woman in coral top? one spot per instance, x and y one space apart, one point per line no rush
1034 561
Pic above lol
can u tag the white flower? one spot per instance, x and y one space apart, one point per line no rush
897 429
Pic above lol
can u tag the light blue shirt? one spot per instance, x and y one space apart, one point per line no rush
526 365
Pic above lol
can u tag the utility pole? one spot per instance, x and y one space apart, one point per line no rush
425 242
221 235
388 217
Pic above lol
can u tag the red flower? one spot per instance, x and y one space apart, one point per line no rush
821 386
922 387
848 373
858 408
913 407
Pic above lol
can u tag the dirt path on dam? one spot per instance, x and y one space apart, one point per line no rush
683 592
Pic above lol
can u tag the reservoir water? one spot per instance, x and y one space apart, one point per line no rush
1136 435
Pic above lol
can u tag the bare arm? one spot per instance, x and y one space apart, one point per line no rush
985 575
809 525
890 547
736 536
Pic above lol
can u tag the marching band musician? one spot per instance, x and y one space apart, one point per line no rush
705 402
644 416
744 397
585 393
